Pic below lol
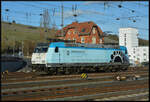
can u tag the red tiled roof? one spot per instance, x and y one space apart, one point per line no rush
83 28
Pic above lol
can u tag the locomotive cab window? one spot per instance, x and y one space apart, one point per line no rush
125 51
56 49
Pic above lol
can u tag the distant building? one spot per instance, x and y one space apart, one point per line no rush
129 37
84 32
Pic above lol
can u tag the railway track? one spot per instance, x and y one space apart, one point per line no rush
21 75
71 90
98 86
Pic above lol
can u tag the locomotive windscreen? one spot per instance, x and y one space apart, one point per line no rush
41 48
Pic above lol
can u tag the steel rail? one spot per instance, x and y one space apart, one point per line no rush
82 91
93 96
66 85
64 76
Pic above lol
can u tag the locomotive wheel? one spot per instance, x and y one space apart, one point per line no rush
78 70
72 70
120 70
107 70
56 71
46 69
67 71
60 70
125 69
113 70
75 70
82 70
97 69
63 71
50 71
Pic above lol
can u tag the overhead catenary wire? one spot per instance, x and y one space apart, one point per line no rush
57 25
42 8
25 15
98 13
85 11
111 17
114 5
125 7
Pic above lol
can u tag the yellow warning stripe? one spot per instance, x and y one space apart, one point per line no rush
84 75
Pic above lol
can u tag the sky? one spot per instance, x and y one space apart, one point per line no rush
108 15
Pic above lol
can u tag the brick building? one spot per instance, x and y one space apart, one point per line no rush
84 32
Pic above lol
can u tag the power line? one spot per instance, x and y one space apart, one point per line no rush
130 10
94 12
27 14
141 4
140 28
20 12
39 7
82 14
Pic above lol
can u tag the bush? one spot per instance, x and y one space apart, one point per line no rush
145 63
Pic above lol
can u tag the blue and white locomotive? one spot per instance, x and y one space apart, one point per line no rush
77 57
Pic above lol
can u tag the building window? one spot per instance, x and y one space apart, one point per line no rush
144 54
74 39
93 40
82 39
144 49
125 40
83 30
75 32
94 30
138 59
124 35
69 32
